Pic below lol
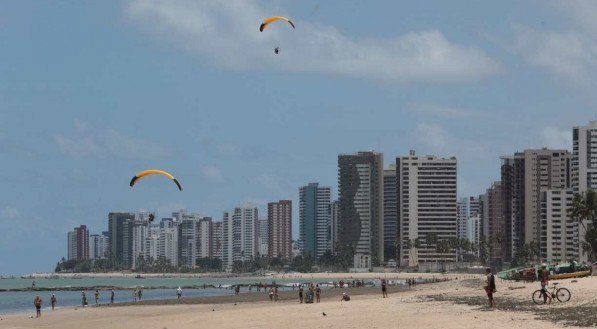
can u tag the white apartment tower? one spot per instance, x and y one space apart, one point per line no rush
239 235
426 205
559 231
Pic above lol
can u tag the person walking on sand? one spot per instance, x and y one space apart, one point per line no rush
37 303
276 293
384 288
544 277
301 294
135 296
318 293
53 301
271 294
112 296
490 287
179 293
96 295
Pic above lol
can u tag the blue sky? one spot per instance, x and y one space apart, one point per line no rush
91 93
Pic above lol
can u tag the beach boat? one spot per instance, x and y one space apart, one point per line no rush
572 275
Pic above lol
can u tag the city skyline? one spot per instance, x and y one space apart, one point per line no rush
86 113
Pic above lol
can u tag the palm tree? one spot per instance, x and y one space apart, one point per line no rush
584 211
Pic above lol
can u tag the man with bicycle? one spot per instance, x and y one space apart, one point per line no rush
544 277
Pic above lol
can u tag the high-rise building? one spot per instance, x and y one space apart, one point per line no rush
426 205
98 245
492 217
584 167
559 231
168 244
390 213
187 238
467 208
584 157
78 243
524 176
334 215
239 235
279 222
314 219
263 238
217 243
204 237
119 243
152 243
360 191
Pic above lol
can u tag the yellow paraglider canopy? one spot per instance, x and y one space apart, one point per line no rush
272 19
149 172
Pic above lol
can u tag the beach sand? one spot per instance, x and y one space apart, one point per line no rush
450 305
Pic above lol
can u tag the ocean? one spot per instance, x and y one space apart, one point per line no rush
22 301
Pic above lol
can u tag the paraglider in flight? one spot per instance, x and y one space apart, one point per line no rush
149 172
272 19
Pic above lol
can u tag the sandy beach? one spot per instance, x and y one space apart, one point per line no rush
454 304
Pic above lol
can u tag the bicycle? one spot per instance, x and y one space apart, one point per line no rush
561 294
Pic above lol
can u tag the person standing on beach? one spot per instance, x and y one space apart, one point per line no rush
318 293
301 294
384 288
53 301
112 296
135 295
83 299
96 295
544 277
37 303
179 293
140 294
490 287
276 293
271 294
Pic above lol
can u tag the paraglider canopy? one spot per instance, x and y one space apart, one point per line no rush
272 19
149 172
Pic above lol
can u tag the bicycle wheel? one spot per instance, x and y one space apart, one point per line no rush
538 297
563 295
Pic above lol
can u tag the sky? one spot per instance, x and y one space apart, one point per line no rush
92 92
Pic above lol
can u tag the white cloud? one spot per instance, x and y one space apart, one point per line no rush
441 142
445 111
212 174
107 143
226 34
553 137
9 212
569 53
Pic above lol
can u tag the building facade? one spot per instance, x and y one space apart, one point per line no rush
467 208
390 213
240 232
314 219
279 221
205 237
584 158
426 206
559 231
99 245
492 223
360 193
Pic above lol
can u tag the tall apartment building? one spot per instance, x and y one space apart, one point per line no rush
99 245
524 176
239 235
467 208
187 238
426 205
492 218
217 243
78 243
584 166
314 219
559 231
263 237
204 237
168 243
584 157
390 213
360 192
279 222
152 243
120 244
334 216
